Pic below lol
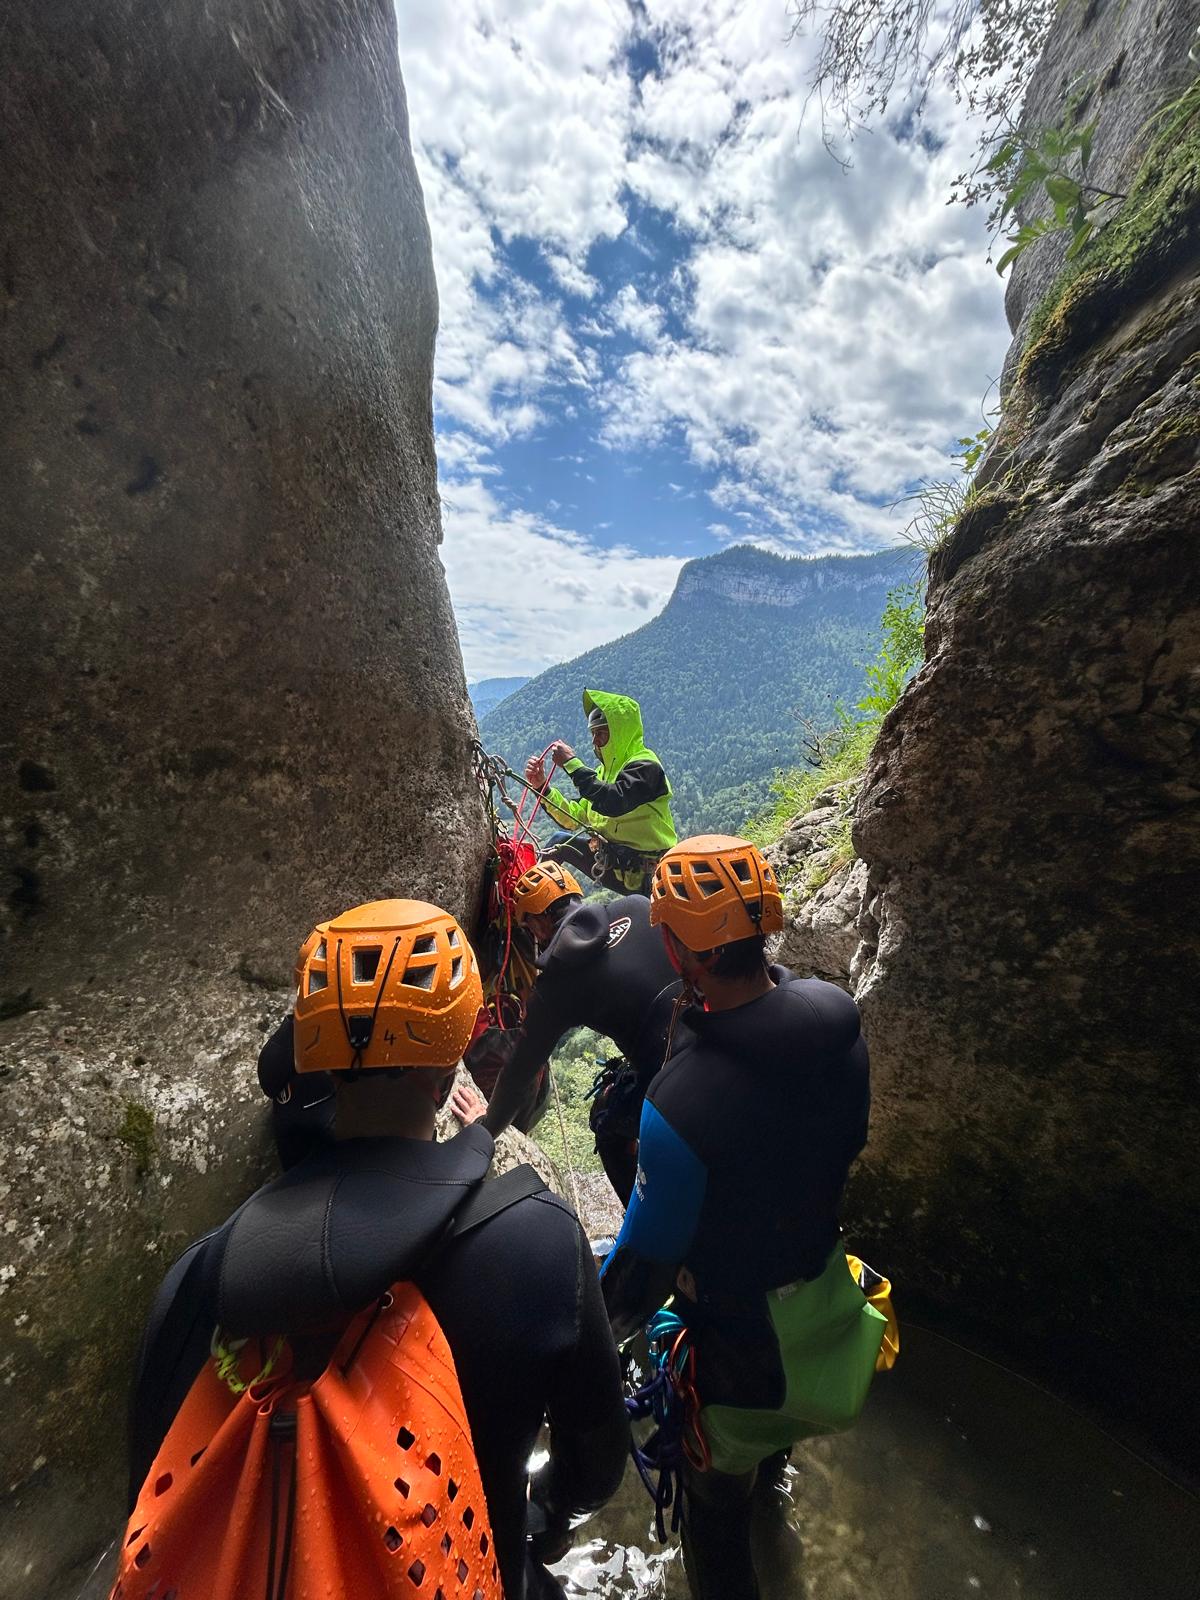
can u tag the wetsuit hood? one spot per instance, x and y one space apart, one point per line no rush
626 737
822 1020
331 1235
579 937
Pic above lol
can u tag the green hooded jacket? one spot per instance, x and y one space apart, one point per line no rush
628 799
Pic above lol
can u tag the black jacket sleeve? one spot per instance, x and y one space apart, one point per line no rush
635 784
589 1431
547 1018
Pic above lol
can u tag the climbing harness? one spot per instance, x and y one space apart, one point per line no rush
494 774
616 1094
509 969
509 972
669 1399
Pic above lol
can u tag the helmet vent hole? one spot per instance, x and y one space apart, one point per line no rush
679 891
675 868
456 972
741 870
419 977
426 945
708 886
317 980
319 952
454 939
365 965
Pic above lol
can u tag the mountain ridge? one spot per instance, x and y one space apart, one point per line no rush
486 693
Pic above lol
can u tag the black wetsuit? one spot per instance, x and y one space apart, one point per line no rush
517 1299
746 1138
606 969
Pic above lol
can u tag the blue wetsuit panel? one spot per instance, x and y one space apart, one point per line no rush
659 1225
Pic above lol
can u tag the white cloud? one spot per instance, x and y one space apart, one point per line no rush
812 340
528 592
571 275
839 328
641 319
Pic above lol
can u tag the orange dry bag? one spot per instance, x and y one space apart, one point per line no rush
362 1485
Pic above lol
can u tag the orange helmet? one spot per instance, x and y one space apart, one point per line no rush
714 889
539 886
305 951
389 984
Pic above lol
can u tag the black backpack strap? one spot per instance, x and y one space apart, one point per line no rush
489 1199
486 1200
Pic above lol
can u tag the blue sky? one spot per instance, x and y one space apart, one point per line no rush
669 320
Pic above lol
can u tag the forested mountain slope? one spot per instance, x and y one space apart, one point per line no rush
748 642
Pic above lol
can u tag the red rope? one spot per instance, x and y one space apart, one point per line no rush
513 857
515 853
526 827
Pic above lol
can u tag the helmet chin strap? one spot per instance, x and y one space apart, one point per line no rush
752 908
689 995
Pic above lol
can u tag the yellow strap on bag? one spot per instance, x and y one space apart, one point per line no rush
878 1291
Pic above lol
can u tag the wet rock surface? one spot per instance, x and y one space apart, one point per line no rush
230 684
600 1211
1031 822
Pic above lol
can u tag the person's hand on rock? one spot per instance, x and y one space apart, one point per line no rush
466 1105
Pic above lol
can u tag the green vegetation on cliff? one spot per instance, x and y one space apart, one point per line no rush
841 754
576 1062
1152 233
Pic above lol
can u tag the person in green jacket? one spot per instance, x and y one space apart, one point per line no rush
623 806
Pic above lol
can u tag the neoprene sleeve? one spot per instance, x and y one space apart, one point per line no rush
635 784
658 1228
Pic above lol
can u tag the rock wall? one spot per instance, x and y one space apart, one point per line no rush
823 889
1031 817
231 695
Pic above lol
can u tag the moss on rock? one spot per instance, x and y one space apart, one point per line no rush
136 1133
1154 229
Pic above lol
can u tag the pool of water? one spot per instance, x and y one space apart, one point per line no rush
960 1482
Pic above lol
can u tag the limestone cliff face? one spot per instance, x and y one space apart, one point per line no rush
822 891
1031 817
230 687
757 581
